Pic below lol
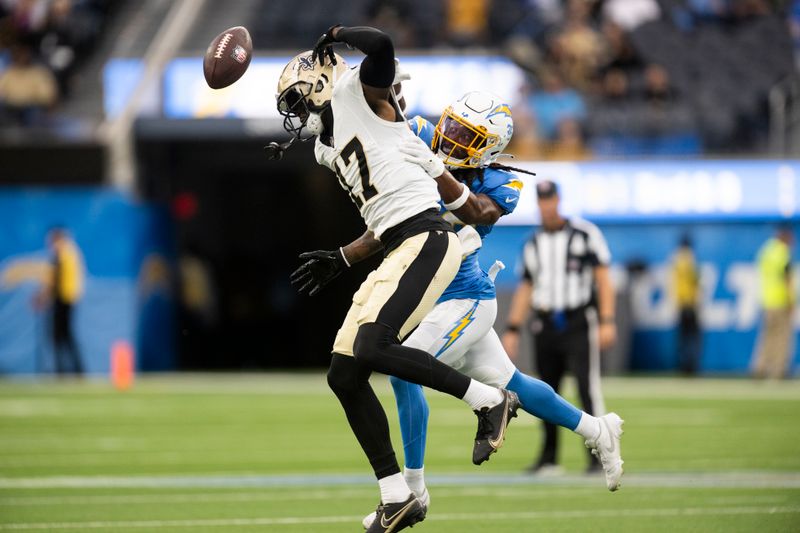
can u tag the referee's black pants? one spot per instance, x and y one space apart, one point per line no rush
568 343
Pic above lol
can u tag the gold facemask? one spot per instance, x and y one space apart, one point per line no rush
461 143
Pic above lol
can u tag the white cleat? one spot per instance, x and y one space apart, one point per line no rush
424 499
606 448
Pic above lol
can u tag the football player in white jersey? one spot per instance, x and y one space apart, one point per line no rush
400 205
469 137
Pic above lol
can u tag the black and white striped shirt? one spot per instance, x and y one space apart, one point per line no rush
560 265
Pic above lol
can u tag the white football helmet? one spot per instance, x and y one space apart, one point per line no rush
304 92
473 131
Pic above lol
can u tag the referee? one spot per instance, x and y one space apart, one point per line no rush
566 282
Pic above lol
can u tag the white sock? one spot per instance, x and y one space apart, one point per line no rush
588 426
415 477
394 489
479 395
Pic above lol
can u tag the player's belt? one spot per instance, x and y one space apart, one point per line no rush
428 220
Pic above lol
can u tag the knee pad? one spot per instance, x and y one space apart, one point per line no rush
370 341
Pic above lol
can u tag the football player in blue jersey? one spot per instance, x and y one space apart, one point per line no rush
469 137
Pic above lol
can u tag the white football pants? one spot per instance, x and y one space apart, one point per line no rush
460 334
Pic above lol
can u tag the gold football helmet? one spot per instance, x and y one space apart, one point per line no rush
304 92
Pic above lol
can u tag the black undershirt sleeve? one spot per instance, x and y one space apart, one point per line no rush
377 69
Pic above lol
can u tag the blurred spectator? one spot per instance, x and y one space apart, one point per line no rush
794 30
515 20
658 91
555 103
551 12
27 89
578 49
59 34
63 291
525 142
747 9
568 145
27 17
466 21
686 291
708 10
621 53
67 36
393 17
777 300
198 295
628 14
615 87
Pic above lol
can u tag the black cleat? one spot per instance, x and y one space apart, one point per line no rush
396 516
492 423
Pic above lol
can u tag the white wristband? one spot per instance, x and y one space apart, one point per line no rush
344 257
460 201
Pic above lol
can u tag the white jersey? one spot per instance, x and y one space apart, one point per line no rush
386 188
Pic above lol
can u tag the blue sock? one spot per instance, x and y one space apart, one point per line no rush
539 399
412 409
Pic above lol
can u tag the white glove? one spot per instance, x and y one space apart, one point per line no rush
325 154
416 151
399 75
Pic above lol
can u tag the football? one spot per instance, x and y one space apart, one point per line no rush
227 57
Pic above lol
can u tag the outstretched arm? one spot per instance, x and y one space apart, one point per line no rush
377 69
323 266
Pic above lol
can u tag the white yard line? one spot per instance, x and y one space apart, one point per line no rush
456 517
128 499
751 479
283 384
260 495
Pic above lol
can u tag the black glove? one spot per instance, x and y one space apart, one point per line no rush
321 267
324 46
274 150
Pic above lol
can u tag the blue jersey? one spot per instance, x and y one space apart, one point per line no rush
504 188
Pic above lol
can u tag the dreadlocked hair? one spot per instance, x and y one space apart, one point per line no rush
469 175
498 166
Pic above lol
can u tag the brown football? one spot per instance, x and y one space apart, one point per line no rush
227 57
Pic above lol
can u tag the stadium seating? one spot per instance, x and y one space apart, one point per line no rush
720 64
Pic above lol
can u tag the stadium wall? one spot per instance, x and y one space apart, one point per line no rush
641 253
128 249
127 252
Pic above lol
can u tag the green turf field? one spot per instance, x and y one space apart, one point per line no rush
272 452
